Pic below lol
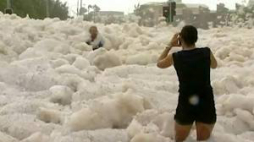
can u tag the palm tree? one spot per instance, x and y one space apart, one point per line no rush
96 9
82 10
89 7
137 9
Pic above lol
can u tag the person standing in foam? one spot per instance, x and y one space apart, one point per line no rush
196 100
95 39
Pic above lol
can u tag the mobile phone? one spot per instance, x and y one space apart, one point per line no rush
179 41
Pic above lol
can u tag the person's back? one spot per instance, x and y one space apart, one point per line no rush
195 90
196 101
193 67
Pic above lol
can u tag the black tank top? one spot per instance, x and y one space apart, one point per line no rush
193 69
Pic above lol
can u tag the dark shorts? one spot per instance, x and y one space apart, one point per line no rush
204 111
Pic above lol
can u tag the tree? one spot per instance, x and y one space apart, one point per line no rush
244 13
222 9
58 9
3 5
82 11
92 15
37 8
137 10
96 8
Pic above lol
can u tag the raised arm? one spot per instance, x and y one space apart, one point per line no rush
166 60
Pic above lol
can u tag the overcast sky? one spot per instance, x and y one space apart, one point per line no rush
128 5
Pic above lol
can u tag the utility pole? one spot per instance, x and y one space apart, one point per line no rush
8 9
78 8
94 8
47 8
170 11
8 4
81 4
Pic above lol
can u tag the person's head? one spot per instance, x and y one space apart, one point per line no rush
189 36
93 31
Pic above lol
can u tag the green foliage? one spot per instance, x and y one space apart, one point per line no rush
37 8
243 13
2 5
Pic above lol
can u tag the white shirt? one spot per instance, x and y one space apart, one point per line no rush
97 43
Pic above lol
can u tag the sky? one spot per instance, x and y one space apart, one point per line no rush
127 6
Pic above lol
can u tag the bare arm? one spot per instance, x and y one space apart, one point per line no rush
214 63
165 59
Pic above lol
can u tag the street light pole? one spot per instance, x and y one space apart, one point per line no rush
81 4
78 8
170 12
8 9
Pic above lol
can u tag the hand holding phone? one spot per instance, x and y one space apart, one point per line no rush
175 41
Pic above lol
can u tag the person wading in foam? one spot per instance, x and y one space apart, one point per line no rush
196 100
95 39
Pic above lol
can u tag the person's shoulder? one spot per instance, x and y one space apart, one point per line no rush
204 48
177 53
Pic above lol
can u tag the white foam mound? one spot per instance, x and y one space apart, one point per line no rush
81 63
83 47
49 115
86 119
134 128
21 126
238 101
72 70
37 137
107 60
108 112
142 137
61 95
51 45
246 117
152 122
140 59
6 138
24 106
30 78
59 62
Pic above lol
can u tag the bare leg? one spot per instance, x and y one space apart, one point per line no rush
204 131
182 132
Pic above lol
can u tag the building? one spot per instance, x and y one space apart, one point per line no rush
151 13
109 17
106 17
111 13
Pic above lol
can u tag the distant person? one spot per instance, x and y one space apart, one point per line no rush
95 39
196 99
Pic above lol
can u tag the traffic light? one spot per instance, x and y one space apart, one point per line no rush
173 8
166 11
169 11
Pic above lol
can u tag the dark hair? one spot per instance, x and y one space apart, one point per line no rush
189 34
